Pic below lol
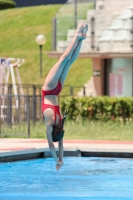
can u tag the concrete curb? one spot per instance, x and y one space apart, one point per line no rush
76 152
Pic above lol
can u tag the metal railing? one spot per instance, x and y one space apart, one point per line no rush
19 112
34 90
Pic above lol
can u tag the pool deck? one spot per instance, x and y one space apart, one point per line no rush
8 145
17 147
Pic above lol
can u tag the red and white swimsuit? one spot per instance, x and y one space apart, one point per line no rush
56 91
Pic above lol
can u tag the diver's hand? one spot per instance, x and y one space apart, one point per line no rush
59 165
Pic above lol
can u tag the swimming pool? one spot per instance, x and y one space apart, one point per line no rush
81 178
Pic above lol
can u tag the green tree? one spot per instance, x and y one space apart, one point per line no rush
6 4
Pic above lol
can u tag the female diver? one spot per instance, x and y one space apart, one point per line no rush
52 87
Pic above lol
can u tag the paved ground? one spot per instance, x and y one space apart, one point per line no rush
9 145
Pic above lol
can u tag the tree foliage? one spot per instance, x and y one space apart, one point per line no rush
6 4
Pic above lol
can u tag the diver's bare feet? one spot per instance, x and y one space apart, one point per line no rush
79 31
84 31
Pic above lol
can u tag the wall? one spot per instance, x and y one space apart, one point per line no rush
98 65
120 77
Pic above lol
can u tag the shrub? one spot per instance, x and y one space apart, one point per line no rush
5 4
99 108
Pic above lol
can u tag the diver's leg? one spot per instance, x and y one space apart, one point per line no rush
55 72
74 56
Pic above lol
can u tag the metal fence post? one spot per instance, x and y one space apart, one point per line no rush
34 104
40 103
71 90
92 33
10 106
75 14
18 110
84 92
131 31
28 115
54 31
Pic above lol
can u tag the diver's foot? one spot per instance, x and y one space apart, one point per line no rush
84 31
79 31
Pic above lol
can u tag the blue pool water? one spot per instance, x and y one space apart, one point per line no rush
81 178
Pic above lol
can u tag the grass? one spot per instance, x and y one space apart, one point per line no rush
80 130
19 28
99 131
91 131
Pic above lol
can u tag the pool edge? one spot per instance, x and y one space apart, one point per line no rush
76 152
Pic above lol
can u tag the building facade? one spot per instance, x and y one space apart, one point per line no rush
109 45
